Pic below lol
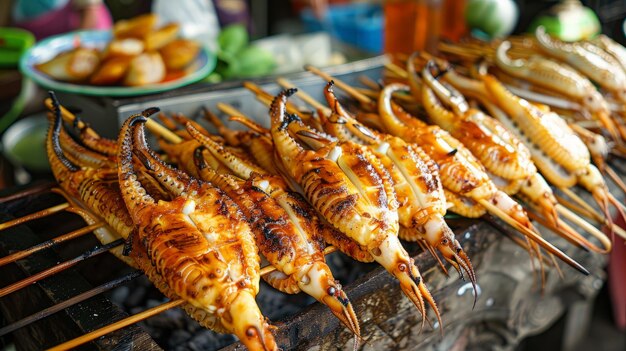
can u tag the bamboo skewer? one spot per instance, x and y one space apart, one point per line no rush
515 238
117 325
39 214
36 189
58 268
572 195
369 82
579 210
345 87
229 109
533 235
493 209
397 70
49 243
595 232
69 302
304 96
576 240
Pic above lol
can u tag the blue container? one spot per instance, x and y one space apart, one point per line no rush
358 24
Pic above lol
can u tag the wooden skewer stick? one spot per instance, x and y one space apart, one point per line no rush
595 232
39 214
397 70
577 240
35 189
304 96
572 195
69 302
49 243
369 82
165 133
58 268
343 86
71 344
516 239
229 109
577 209
532 235
594 215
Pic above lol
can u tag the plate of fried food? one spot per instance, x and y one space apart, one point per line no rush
135 58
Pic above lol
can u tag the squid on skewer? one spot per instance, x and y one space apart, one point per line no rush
478 133
612 47
415 178
89 182
562 79
351 190
592 61
505 158
557 151
98 190
287 231
466 183
258 133
198 241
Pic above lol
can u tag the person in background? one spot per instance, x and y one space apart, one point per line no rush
49 17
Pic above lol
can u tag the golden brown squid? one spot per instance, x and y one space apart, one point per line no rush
462 175
506 159
557 151
592 61
559 78
92 187
199 241
351 190
416 182
287 231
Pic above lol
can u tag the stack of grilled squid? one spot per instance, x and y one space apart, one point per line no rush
199 217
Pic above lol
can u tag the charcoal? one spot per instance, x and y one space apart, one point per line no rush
119 295
137 296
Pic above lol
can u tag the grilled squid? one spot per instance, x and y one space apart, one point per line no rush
95 188
198 241
287 231
553 141
505 157
461 173
415 178
559 78
345 185
592 61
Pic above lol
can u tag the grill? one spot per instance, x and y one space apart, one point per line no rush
59 283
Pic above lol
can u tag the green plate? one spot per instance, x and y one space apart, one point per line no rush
50 47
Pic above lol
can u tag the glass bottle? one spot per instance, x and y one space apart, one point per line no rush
454 26
412 25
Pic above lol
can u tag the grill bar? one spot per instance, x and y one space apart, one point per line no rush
32 190
58 268
69 302
49 243
67 264
36 215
